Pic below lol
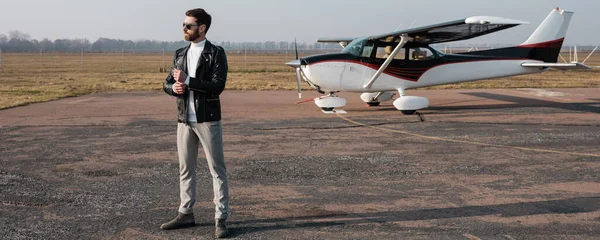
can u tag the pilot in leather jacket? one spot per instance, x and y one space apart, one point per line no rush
208 84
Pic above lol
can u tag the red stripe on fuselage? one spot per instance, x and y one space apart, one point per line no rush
549 44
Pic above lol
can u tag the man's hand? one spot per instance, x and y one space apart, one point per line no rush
179 75
179 87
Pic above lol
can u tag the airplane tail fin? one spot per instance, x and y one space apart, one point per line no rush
548 38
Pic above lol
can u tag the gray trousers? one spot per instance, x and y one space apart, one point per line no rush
210 135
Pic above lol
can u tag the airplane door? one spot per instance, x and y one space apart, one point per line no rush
352 76
355 71
368 74
328 75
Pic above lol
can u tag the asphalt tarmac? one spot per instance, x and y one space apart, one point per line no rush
477 164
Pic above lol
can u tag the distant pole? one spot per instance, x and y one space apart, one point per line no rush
82 60
570 57
245 66
41 61
163 60
122 60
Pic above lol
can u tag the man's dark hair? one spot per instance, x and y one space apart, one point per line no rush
202 17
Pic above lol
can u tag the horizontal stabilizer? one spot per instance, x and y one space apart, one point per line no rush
560 66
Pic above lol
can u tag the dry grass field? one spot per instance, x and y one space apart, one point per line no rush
34 77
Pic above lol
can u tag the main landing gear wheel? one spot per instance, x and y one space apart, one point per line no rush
327 109
408 112
373 104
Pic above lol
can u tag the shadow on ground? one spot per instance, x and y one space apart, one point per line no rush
564 206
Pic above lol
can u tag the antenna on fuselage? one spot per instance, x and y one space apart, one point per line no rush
398 28
412 24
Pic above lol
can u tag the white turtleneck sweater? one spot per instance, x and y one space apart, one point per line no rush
193 56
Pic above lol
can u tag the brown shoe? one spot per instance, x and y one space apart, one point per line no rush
221 228
181 221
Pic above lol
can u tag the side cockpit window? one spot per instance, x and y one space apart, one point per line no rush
367 49
419 54
383 52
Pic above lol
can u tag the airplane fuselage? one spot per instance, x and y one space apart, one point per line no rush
349 73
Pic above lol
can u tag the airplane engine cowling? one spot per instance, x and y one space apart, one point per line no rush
331 102
370 97
411 103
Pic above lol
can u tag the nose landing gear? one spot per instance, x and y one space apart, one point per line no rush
329 103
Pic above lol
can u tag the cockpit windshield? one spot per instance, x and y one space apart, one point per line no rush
355 47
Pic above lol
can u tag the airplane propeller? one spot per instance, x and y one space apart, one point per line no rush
298 77
297 64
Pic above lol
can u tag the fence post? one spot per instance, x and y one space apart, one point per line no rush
122 60
41 61
570 57
82 60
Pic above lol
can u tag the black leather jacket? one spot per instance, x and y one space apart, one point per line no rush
208 84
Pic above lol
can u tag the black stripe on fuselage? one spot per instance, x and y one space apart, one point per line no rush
329 57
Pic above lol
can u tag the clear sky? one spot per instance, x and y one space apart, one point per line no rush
280 20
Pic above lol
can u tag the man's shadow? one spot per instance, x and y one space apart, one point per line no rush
565 206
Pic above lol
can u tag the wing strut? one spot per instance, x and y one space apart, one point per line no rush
403 40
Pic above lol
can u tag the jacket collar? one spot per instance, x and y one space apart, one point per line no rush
208 49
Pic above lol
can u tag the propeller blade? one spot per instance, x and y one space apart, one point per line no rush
296 47
299 78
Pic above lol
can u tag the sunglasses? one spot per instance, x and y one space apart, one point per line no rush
189 26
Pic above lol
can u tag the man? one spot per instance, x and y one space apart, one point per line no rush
197 79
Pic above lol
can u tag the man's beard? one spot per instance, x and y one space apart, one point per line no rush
191 36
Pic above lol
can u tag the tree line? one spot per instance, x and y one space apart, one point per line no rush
17 41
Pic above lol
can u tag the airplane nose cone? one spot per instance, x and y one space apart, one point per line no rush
294 63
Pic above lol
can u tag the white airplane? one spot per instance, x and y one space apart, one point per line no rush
400 60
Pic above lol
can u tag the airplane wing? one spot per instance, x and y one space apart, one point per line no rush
560 66
334 40
342 41
451 31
